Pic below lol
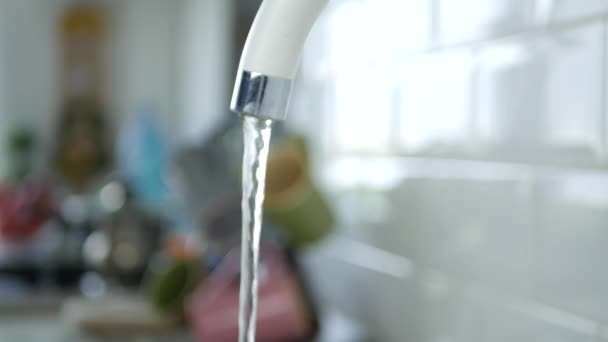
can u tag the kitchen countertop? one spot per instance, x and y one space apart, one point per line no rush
45 318
50 328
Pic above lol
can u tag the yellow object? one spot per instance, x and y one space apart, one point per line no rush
292 199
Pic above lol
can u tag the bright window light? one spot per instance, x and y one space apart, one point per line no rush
399 27
363 111
434 100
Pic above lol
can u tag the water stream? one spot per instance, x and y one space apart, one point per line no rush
256 134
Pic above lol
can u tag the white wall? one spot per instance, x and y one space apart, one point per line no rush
468 166
204 62
175 56
3 114
29 59
172 56
142 69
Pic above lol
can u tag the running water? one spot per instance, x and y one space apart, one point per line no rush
256 133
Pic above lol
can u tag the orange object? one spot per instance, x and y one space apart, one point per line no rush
181 248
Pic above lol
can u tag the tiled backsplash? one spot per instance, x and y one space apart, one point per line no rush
466 146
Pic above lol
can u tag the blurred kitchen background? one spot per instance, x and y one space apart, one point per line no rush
456 153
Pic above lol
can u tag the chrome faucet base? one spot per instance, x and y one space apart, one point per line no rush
261 95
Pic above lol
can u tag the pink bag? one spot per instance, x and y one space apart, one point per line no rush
284 314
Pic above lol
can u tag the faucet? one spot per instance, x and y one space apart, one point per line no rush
271 56
268 66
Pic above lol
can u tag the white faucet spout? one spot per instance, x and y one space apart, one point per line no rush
271 56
